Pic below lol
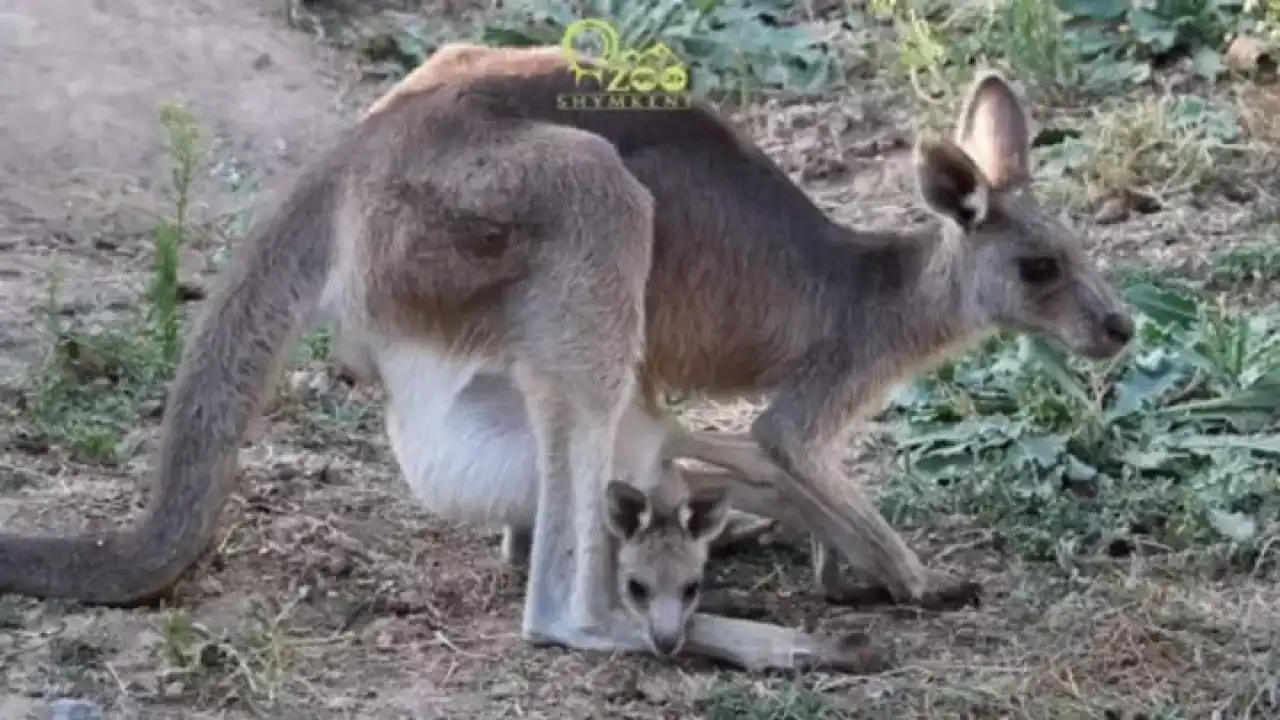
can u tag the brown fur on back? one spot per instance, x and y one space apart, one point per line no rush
711 189
464 62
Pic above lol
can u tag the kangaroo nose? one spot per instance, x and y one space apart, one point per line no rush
666 644
1119 326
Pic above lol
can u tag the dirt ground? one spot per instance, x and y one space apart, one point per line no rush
330 594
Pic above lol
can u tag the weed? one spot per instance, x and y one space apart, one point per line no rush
1251 263
245 184
183 150
731 47
941 42
1131 37
244 663
1159 149
316 346
741 700
1068 47
83 651
1170 447
96 383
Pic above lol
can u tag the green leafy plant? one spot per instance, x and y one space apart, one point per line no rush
941 41
735 700
1066 47
244 663
96 383
1161 148
1252 263
1171 446
730 46
1133 35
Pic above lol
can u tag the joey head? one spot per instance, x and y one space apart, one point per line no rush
662 553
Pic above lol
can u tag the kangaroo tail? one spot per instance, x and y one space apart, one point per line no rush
230 363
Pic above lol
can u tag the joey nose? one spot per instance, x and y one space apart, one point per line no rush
1119 327
667 644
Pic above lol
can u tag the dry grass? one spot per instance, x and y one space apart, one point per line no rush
1162 148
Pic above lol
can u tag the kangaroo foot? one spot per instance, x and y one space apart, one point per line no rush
743 528
759 646
517 544
945 592
852 653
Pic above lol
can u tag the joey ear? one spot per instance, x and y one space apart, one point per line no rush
994 130
950 183
707 513
627 510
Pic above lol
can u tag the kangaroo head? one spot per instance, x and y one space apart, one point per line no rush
662 553
1022 268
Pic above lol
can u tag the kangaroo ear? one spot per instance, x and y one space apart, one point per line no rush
706 513
627 510
994 130
950 183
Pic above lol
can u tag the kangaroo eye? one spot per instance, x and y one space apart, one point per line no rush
690 592
637 591
1037 271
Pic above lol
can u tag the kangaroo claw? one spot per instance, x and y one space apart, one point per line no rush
847 652
944 593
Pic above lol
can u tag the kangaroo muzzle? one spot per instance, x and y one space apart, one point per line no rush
666 626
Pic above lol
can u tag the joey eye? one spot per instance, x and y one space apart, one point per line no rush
638 592
690 591
1039 270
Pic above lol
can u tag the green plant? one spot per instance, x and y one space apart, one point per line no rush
731 700
316 346
1131 36
941 41
728 45
1172 446
1251 263
96 383
182 147
1162 148
1065 47
245 663
90 390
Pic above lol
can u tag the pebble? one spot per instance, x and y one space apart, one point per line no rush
1112 211
71 709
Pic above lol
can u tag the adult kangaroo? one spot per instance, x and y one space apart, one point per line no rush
485 247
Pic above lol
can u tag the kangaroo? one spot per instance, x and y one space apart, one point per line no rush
474 230
799 287
664 543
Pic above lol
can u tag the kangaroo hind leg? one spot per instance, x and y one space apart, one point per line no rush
578 337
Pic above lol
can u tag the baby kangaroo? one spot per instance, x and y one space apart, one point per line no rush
664 545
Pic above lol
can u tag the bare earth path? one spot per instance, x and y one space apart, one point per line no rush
79 135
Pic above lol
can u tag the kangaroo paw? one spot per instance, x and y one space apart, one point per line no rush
614 637
742 529
945 592
853 653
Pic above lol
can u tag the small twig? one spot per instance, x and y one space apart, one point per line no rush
950 550
124 690
441 639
